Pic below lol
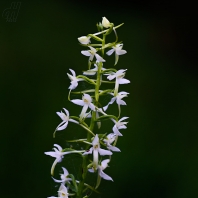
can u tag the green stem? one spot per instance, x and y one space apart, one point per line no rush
92 123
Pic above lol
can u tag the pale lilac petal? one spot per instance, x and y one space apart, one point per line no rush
74 121
113 148
112 100
51 153
115 130
104 152
120 102
95 158
88 152
61 115
73 72
92 107
78 102
65 171
124 118
86 53
66 111
110 52
105 176
123 81
104 163
95 140
120 52
123 93
56 180
58 146
122 127
99 58
64 126
91 170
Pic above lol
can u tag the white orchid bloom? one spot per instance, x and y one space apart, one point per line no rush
58 154
85 102
62 192
118 99
105 22
64 177
101 167
91 53
65 119
119 75
118 51
109 140
93 71
119 125
74 80
96 149
84 40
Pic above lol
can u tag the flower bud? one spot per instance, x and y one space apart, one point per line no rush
84 40
105 22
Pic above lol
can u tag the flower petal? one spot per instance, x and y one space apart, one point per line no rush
105 176
78 102
110 52
86 53
123 81
104 152
88 152
115 130
99 58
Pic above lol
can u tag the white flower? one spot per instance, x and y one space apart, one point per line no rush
118 99
119 125
58 154
64 177
62 192
105 22
118 51
109 140
96 149
119 78
101 167
91 53
65 119
93 71
74 80
84 39
85 102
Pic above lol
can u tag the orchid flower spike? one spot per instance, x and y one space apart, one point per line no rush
109 140
65 119
58 154
84 40
118 51
62 192
74 79
85 102
64 177
96 149
119 125
119 75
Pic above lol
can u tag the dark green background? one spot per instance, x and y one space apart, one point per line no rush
160 146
